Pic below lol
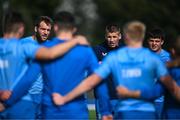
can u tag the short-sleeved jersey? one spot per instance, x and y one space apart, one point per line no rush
60 75
65 73
164 55
38 84
134 68
14 55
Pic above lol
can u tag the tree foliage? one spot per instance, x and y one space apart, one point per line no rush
162 13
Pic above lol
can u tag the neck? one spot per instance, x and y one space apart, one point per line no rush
10 35
65 35
158 51
135 44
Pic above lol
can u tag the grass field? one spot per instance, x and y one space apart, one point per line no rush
92 115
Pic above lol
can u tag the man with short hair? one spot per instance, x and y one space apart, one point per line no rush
156 38
171 109
42 30
14 59
133 67
60 75
105 95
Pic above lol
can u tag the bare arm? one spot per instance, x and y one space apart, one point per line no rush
59 50
4 94
2 107
107 117
123 92
83 87
172 86
167 81
145 93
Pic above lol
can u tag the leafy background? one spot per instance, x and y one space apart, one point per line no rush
93 15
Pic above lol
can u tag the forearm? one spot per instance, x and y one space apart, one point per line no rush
148 93
56 51
107 117
23 85
124 92
172 86
135 94
83 87
4 95
1 92
2 107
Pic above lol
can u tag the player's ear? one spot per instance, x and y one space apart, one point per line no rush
120 36
55 28
162 42
35 28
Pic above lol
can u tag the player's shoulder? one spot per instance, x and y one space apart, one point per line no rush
83 48
26 39
28 42
52 42
9 43
120 51
48 43
9 40
151 56
165 53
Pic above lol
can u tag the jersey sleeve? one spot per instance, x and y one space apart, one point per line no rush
105 68
24 83
168 57
30 48
165 56
161 69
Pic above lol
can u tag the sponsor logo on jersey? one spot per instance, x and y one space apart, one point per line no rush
4 63
131 73
104 54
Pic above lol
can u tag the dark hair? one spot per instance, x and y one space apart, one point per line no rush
12 22
46 19
156 33
65 20
112 28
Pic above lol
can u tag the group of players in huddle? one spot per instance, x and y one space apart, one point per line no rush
47 79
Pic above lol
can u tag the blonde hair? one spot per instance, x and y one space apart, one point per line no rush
135 30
